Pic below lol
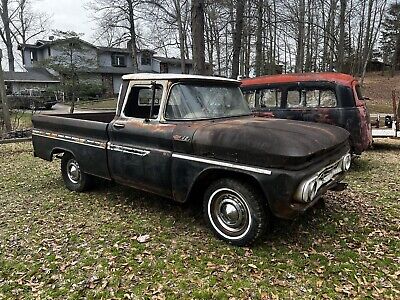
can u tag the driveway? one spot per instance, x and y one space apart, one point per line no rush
61 108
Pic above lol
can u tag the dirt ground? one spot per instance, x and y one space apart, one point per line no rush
379 88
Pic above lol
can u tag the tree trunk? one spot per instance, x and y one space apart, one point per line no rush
395 57
342 24
237 38
132 32
5 108
300 37
197 12
181 34
7 35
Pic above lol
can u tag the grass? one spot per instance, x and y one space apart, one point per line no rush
21 120
59 244
380 107
103 104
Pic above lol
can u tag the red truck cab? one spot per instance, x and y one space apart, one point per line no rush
331 98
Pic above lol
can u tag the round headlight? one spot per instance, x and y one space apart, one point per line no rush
309 191
346 164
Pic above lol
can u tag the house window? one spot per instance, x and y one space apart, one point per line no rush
146 58
33 56
118 60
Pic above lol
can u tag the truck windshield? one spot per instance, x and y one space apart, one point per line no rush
197 102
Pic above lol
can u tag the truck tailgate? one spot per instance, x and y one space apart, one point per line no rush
84 138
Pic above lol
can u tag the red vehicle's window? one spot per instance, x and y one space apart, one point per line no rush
311 98
265 98
294 99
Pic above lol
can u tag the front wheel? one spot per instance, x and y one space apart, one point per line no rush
235 211
72 174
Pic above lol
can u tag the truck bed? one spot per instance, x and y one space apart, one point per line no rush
84 134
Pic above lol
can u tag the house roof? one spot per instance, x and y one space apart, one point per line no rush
340 78
38 75
43 44
174 60
169 76
111 70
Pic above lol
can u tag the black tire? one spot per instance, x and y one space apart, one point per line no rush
75 180
236 211
48 106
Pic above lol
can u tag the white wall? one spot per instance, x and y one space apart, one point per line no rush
117 81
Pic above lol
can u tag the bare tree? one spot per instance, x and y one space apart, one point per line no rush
237 37
6 34
27 24
173 14
4 107
118 15
197 11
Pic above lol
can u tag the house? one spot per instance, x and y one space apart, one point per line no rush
35 78
106 65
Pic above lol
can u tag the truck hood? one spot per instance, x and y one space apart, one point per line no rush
266 142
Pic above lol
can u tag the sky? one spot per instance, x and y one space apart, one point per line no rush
68 15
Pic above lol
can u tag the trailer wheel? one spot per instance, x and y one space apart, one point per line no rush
235 211
74 178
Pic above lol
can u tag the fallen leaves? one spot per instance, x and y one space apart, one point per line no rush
54 243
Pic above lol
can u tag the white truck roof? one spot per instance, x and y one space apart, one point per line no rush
169 76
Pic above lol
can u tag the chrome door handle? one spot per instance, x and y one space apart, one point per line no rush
119 126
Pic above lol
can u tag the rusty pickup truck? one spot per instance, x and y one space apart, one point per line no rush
186 137
330 98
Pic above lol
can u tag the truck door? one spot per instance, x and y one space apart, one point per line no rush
140 147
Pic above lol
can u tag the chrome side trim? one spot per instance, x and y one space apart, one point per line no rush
128 150
71 139
222 164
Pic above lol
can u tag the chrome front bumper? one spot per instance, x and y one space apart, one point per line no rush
309 189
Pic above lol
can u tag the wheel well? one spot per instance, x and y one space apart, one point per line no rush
204 180
56 151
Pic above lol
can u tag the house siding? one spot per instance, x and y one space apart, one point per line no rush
101 59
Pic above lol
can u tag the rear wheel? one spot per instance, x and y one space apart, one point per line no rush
235 211
74 178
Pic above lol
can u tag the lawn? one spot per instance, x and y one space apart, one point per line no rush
103 104
58 244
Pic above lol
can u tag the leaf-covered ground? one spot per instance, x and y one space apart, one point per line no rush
116 242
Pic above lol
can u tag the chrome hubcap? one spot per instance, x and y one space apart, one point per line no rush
73 171
229 212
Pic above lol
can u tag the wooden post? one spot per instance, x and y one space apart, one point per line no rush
395 110
3 96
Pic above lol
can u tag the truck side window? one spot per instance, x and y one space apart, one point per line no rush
311 98
265 98
250 97
327 99
139 102
294 99
269 98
